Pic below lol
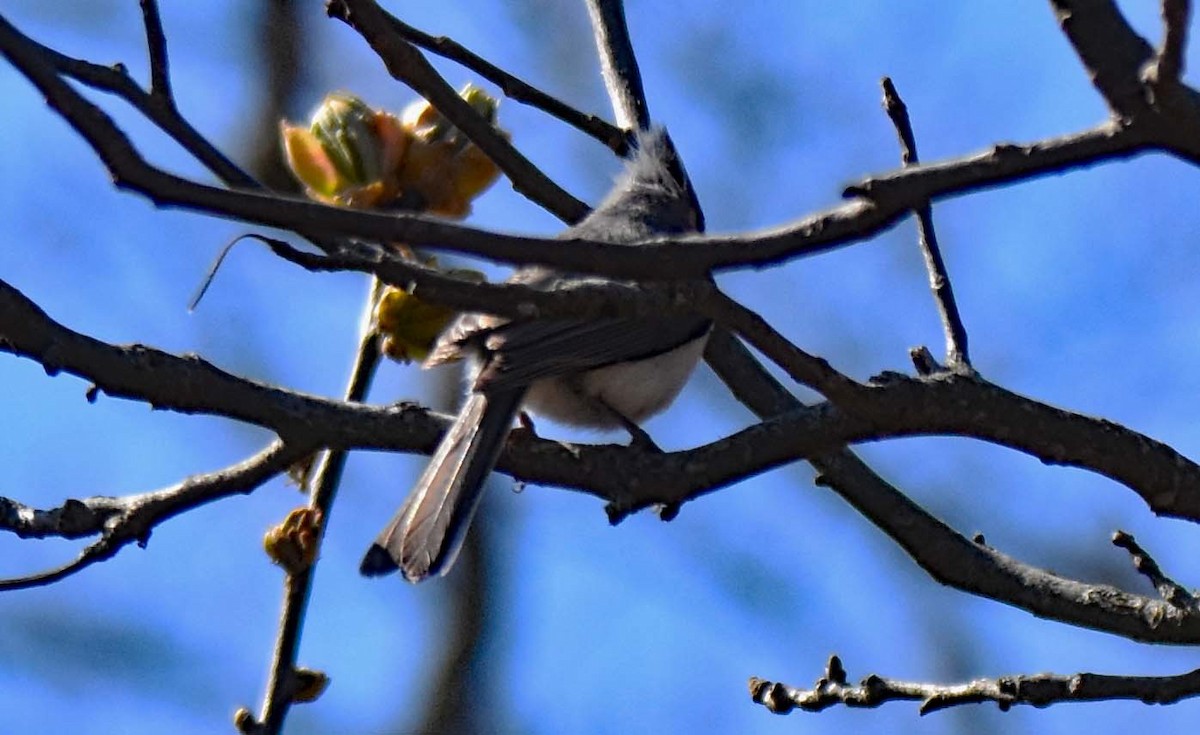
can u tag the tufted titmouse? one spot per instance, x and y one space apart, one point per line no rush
601 373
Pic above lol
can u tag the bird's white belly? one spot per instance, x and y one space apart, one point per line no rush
636 390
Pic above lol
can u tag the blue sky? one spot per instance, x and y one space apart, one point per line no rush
1074 290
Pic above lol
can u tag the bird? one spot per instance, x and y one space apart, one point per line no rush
606 373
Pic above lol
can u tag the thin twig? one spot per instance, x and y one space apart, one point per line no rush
806 369
116 80
1038 690
586 299
1169 589
407 64
100 550
618 64
957 355
156 46
514 87
281 684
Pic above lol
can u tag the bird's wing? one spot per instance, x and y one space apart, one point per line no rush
517 353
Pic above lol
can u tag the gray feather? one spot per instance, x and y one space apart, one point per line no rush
426 534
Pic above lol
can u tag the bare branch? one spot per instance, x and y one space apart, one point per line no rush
1003 163
514 87
1161 75
156 45
1153 469
618 64
947 404
636 479
280 691
809 370
183 384
883 199
957 354
502 298
1040 690
116 80
1170 61
1169 589
408 65
73 519
745 377
121 521
1111 51
949 557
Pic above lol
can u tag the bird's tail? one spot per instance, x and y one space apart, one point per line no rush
426 534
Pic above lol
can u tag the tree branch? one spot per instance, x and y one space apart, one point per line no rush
1170 590
1169 63
957 355
1141 88
188 384
121 521
880 201
116 80
156 46
1039 690
628 478
745 377
408 65
513 87
809 370
946 555
618 64
892 406
281 682
1110 50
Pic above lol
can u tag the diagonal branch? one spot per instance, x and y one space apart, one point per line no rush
1141 87
1110 50
1170 590
945 554
1002 164
618 64
809 370
512 86
408 65
183 384
1170 60
116 80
